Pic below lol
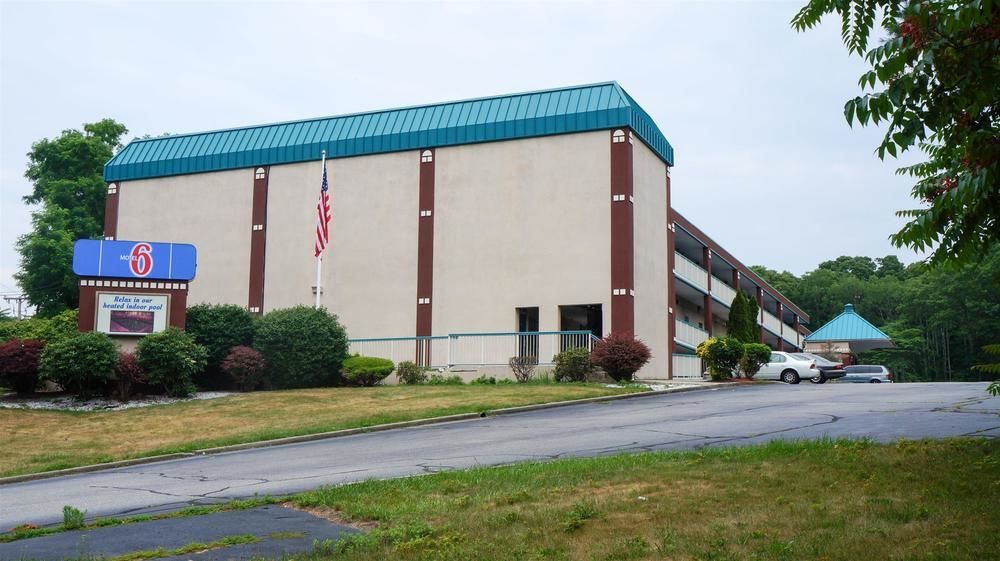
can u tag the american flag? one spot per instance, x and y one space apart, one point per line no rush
323 216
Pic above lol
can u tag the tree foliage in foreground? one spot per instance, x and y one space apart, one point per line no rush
935 84
67 182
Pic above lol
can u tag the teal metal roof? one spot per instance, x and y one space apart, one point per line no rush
505 117
848 326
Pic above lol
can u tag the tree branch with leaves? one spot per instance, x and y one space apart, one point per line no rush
934 84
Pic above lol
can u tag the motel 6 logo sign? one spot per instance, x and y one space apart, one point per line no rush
140 259
134 259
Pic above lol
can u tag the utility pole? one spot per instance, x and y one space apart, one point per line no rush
19 299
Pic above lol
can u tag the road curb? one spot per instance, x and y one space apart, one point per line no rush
351 432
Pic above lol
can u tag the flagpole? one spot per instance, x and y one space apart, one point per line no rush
319 258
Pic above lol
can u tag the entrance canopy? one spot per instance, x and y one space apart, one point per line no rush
848 330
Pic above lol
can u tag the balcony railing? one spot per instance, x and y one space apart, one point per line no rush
789 334
691 271
687 366
689 334
722 291
771 322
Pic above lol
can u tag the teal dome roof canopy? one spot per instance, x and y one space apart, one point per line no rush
853 329
506 117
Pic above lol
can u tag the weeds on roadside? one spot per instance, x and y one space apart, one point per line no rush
73 518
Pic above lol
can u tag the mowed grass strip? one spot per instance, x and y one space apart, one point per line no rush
35 441
827 500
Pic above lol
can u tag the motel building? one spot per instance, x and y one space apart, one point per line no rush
463 233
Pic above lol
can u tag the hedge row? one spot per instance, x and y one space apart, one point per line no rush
223 347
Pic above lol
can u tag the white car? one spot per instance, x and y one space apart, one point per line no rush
788 368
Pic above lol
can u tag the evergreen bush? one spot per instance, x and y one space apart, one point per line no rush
19 360
57 328
303 347
572 365
755 356
219 328
366 370
83 364
621 356
172 359
721 355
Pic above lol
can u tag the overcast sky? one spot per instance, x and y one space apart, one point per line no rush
765 163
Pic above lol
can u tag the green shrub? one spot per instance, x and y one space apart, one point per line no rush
73 518
219 328
245 367
83 364
366 370
442 380
57 328
127 375
303 347
755 356
409 372
19 360
572 365
621 356
484 380
721 355
171 358
522 367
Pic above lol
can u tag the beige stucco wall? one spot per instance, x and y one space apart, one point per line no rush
209 210
370 266
521 223
650 238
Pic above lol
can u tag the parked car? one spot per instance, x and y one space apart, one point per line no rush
788 368
867 374
828 369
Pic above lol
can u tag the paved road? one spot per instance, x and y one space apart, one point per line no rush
723 416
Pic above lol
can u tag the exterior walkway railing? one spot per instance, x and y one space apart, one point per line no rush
473 349
690 271
687 366
772 322
689 334
722 291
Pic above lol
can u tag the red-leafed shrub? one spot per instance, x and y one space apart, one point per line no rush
19 364
245 367
620 356
127 375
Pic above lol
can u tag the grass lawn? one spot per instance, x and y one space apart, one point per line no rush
832 500
34 441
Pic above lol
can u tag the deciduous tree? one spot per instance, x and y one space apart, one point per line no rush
67 182
934 83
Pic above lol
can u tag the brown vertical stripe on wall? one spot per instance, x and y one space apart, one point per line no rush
258 239
706 254
760 313
87 314
425 253
622 242
111 211
671 283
